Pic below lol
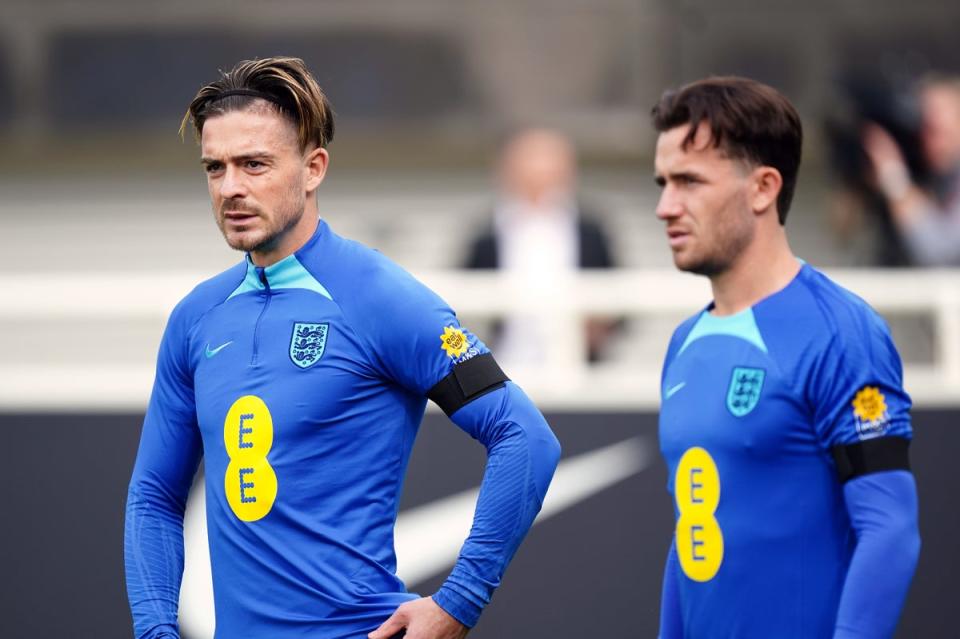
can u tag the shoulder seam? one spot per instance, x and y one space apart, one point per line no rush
361 337
836 336
200 317
676 339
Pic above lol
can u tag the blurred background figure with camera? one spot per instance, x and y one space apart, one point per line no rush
894 148
927 213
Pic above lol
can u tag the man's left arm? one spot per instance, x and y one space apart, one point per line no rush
522 454
417 342
863 419
883 512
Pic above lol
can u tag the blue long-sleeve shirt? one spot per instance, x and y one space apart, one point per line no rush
302 386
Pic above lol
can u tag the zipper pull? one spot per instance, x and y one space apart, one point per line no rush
262 276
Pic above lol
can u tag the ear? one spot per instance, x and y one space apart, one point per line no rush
315 163
766 183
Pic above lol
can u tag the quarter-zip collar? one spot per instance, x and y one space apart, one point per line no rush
288 273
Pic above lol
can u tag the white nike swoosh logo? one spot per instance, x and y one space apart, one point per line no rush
211 352
427 538
670 392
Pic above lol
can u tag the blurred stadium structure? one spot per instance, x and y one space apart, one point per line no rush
107 72
90 367
105 224
115 263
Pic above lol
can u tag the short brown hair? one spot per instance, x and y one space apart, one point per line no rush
284 82
748 121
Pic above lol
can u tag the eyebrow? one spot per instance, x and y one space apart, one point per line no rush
252 155
660 178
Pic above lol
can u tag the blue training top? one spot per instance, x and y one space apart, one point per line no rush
752 406
302 385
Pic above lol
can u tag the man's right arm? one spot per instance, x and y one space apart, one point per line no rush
671 615
167 460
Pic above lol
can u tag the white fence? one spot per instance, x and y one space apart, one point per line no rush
87 342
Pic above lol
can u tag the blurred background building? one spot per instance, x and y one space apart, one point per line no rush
105 223
91 95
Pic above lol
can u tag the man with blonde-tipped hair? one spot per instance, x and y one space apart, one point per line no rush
300 376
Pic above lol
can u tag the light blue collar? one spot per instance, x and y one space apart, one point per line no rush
742 325
285 274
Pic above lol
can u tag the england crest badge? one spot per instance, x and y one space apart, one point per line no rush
744 392
308 343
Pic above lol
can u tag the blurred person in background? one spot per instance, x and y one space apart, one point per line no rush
783 421
858 213
300 377
540 231
927 215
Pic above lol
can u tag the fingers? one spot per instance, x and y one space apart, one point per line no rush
389 628
880 145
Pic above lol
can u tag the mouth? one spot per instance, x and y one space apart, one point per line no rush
677 237
238 218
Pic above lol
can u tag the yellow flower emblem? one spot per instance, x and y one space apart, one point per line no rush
869 404
453 341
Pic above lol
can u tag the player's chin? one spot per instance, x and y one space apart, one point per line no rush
684 261
246 240
694 264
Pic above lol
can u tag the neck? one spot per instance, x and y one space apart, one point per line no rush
764 268
289 242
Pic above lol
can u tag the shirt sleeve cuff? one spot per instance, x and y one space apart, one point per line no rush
457 606
164 631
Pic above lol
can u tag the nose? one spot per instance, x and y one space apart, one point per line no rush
669 206
232 185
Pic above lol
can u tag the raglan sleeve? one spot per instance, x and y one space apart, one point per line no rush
167 460
862 416
424 348
856 395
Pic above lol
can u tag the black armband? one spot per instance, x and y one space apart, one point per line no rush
871 456
466 382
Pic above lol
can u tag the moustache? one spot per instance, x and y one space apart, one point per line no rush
237 205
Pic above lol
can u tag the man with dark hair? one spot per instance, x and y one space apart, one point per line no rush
784 423
300 376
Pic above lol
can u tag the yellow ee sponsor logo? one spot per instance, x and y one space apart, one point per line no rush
454 341
250 482
698 534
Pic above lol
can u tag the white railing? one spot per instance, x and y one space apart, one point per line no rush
47 363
